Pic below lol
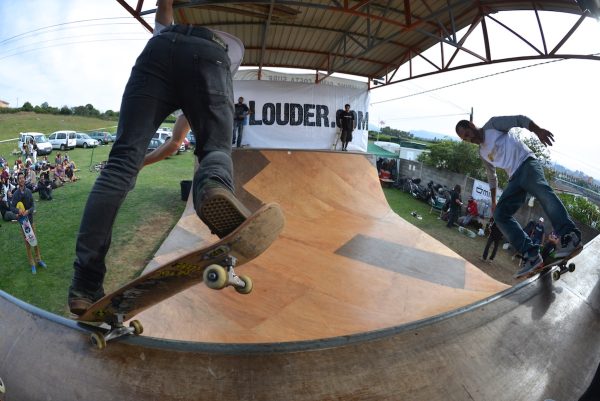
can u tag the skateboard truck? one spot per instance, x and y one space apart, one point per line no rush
117 329
220 276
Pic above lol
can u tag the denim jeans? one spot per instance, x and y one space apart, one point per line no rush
529 178
176 70
238 125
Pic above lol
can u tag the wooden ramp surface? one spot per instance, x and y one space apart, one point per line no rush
344 264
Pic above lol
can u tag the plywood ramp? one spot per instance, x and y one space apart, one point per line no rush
344 264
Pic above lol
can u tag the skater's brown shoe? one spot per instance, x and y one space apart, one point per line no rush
219 209
81 300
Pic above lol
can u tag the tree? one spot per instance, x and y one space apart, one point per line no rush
581 209
459 157
27 107
65 110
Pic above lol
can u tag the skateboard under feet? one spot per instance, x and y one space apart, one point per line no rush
214 264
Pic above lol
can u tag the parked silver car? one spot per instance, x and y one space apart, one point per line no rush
83 140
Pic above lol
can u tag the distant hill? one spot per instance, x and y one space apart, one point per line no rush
430 136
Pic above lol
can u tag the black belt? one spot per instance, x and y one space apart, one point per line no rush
197 31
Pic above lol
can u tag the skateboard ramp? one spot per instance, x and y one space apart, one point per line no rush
344 264
352 303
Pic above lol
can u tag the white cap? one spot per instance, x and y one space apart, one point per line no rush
541 219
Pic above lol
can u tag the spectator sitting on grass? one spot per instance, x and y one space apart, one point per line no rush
31 180
69 172
472 212
5 194
59 175
45 186
58 159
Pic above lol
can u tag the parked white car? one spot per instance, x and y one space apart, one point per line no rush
83 140
43 145
63 140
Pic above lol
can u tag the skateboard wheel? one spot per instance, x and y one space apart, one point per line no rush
571 267
98 340
555 275
215 277
247 289
137 327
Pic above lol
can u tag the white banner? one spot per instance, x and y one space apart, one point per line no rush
481 191
290 111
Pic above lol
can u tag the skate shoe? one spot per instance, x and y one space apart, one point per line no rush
219 209
569 244
81 300
43 264
530 266
33 269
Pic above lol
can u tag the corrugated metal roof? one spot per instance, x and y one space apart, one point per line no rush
363 38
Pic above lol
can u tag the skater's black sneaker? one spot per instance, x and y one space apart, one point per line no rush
219 209
530 266
81 300
569 244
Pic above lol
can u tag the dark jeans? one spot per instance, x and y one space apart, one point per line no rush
593 391
182 68
453 217
529 178
487 248
238 130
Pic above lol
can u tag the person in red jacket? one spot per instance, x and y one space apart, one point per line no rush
472 212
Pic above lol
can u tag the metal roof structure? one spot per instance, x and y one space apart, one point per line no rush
377 39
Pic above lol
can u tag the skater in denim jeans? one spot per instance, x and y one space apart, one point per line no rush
182 67
500 148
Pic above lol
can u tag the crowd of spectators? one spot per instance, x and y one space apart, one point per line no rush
41 176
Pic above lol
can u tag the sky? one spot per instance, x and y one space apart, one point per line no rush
75 52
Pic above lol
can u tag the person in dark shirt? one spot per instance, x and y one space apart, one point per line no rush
347 123
23 195
239 116
455 205
494 237
537 233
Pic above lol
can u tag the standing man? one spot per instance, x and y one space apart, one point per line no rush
182 67
494 237
23 195
537 235
347 122
455 206
239 117
500 148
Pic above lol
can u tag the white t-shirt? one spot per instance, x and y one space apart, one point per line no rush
504 150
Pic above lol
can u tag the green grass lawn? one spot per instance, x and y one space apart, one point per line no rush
146 217
469 248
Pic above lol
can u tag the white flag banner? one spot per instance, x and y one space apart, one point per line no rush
481 191
291 111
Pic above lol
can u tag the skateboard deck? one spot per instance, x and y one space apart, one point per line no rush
26 226
212 264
